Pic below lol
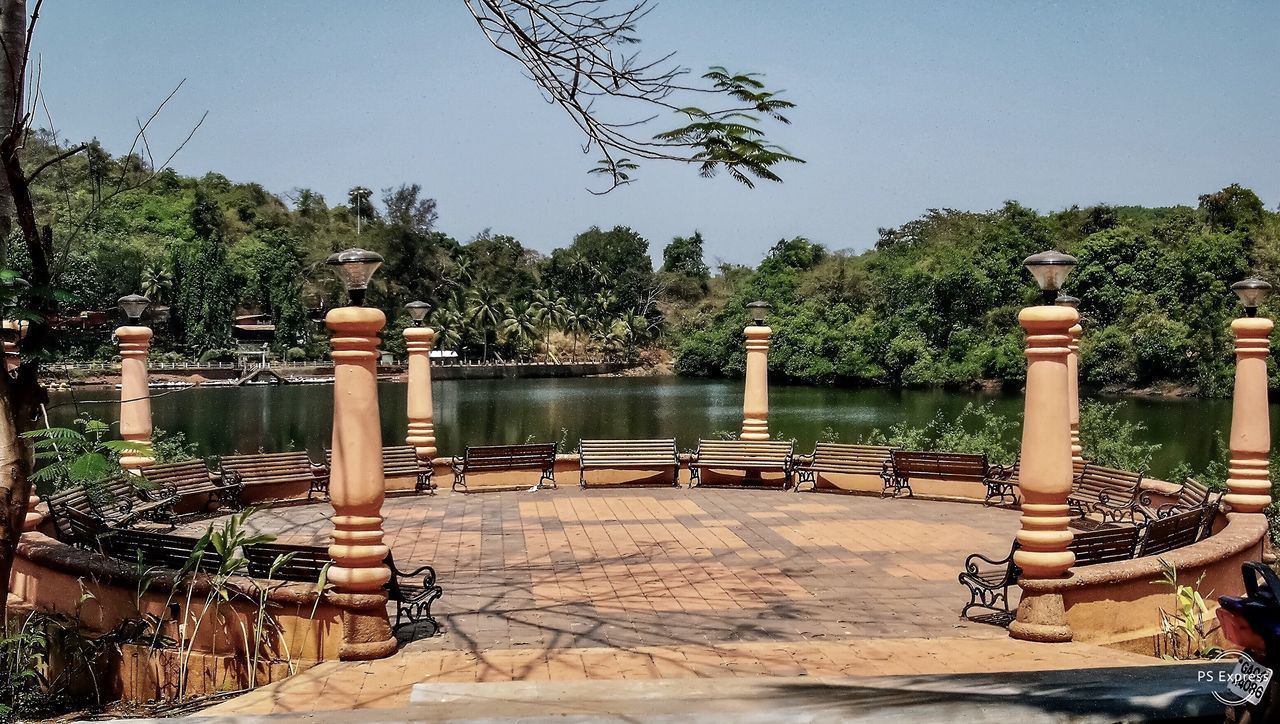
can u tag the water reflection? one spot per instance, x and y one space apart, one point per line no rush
223 420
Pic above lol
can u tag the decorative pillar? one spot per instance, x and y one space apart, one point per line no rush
1073 382
755 397
356 485
1248 480
422 433
135 394
1045 473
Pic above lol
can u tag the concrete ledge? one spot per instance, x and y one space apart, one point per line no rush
1088 695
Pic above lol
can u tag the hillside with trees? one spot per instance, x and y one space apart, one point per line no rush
934 303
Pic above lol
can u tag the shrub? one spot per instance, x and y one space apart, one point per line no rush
295 354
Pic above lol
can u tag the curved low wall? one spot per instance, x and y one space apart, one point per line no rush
307 627
1119 603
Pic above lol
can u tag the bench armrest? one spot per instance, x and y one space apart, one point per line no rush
971 562
804 459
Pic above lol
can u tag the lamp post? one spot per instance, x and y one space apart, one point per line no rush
418 341
356 484
1248 480
1073 381
135 394
755 398
1045 475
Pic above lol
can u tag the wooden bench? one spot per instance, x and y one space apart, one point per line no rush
282 468
831 457
539 456
400 461
124 500
1192 496
276 562
959 467
74 522
749 456
989 580
190 478
654 455
1175 531
1113 495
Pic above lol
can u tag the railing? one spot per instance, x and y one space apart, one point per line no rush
115 364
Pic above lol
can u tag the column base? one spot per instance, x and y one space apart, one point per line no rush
754 430
1042 617
366 631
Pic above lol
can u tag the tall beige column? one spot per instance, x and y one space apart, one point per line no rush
1248 479
356 485
422 432
1045 474
755 398
1073 380
135 394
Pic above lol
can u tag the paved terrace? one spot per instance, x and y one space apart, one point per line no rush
673 583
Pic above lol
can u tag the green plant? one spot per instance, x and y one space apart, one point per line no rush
67 456
1187 630
172 447
976 429
1111 441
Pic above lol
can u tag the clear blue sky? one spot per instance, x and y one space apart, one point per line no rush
902 106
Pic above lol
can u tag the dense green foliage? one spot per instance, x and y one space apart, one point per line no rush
936 301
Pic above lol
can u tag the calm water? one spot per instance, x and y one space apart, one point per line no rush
223 420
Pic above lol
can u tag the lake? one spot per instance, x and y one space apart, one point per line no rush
248 419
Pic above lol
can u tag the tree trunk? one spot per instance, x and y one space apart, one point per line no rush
13 44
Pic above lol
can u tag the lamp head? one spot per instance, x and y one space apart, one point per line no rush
1252 292
418 312
1050 269
759 310
354 268
1066 300
133 305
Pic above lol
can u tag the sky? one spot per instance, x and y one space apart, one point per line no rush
901 107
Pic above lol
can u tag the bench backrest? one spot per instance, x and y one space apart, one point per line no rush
306 563
154 549
73 519
942 465
628 452
737 452
1096 479
1165 534
181 475
540 455
1104 545
269 468
1196 495
397 460
840 458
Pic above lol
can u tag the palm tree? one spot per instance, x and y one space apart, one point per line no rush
550 313
485 310
577 321
157 280
521 326
448 325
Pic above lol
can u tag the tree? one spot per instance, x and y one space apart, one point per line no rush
520 325
577 320
202 311
1234 208
615 262
485 309
406 208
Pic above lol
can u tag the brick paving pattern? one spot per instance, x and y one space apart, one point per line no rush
625 568
615 584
